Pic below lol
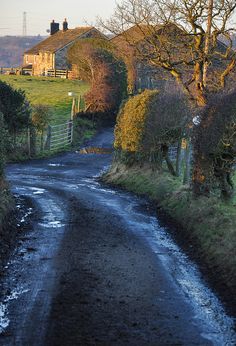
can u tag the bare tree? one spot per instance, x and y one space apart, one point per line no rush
104 71
182 37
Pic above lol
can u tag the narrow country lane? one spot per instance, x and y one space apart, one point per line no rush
96 267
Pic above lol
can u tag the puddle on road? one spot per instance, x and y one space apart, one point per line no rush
93 184
95 150
55 165
37 190
29 190
52 224
53 214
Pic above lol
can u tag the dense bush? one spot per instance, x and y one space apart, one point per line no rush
41 115
14 107
215 146
2 144
132 120
148 124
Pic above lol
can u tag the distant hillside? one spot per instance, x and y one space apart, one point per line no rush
13 47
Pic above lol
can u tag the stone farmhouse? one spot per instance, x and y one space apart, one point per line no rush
141 75
51 53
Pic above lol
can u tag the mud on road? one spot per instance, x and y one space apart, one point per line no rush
96 267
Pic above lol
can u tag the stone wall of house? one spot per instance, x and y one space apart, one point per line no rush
43 61
149 77
28 59
61 58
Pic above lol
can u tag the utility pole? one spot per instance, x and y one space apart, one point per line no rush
207 40
24 32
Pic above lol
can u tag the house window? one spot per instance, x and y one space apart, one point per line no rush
26 59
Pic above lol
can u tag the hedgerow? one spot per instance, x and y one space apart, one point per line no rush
148 124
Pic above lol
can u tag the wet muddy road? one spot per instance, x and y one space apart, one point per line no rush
96 267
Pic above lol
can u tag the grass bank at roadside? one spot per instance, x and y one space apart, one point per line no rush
6 208
209 223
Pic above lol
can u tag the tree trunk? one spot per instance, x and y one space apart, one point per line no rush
203 175
32 141
227 186
187 159
168 161
179 158
207 41
41 142
2 157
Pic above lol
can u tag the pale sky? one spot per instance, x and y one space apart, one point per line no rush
41 12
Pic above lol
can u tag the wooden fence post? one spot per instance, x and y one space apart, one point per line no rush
49 136
29 142
70 131
179 158
79 104
187 170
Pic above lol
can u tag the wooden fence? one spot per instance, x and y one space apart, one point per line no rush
30 143
57 73
16 70
8 70
66 74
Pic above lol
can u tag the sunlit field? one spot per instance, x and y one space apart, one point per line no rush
49 91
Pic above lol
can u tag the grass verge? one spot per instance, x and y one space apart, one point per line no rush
6 207
209 223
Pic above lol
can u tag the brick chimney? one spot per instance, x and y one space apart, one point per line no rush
65 25
54 27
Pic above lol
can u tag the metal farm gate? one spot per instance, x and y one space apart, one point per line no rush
59 136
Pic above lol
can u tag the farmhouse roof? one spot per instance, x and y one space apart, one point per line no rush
139 32
59 40
134 34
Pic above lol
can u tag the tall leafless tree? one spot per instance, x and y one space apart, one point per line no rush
190 39
182 37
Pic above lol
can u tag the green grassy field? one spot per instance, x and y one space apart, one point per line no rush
49 91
